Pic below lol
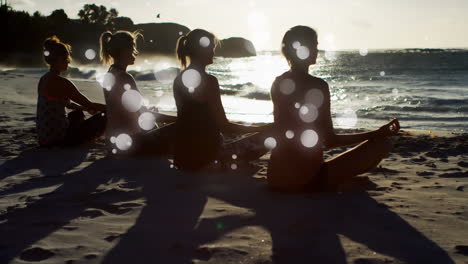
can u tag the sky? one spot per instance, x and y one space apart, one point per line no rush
341 24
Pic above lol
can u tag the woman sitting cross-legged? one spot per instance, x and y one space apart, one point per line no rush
131 128
55 93
201 119
304 128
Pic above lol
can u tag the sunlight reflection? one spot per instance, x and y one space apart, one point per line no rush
260 70
329 45
346 119
363 51
259 34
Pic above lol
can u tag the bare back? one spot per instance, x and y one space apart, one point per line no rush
119 119
302 123
198 126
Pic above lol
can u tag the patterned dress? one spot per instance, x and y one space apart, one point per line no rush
51 120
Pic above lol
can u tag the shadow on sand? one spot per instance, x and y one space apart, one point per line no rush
47 161
170 229
303 228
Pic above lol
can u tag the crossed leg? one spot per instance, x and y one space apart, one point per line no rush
357 160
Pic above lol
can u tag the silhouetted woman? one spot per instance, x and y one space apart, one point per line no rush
304 127
55 93
131 128
200 114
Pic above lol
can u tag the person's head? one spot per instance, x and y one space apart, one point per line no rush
119 47
57 53
198 45
299 46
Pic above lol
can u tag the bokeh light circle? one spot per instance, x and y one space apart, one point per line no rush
90 54
303 52
147 121
287 86
132 100
309 138
270 143
191 79
123 142
308 113
204 42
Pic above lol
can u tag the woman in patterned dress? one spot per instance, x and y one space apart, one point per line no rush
55 93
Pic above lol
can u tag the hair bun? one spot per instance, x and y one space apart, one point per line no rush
50 42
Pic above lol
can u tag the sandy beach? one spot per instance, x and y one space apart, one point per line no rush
79 206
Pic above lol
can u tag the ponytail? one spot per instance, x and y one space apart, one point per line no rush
182 51
104 47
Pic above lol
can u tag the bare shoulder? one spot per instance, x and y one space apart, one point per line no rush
66 81
124 76
124 79
283 76
319 82
65 84
278 79
212 79
177 83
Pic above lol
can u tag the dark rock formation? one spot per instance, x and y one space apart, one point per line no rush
235 48
160 38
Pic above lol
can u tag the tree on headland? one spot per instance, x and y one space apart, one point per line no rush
93 14
58 17
24 33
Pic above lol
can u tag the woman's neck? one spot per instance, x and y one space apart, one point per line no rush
54 71
300 69
119 65
197 65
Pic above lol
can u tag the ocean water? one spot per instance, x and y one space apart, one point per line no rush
424 89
